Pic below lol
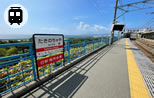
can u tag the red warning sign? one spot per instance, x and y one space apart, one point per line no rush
49 60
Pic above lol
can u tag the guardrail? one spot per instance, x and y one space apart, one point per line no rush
16 70
19 69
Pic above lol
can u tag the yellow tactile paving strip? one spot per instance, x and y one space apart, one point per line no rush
137 86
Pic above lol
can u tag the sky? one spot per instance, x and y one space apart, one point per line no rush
70 17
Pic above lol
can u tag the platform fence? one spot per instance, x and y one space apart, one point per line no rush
19 69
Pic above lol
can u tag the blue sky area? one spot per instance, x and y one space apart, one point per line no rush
70 17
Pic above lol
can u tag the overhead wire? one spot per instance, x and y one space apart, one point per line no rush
147 22
94 3
123 16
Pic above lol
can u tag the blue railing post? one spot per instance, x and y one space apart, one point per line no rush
107 40
93 44
10 83
23 74
69 54
32 59
99 42
102 41
84 47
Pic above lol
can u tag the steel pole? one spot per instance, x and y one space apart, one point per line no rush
114 21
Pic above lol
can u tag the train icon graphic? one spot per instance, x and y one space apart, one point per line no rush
15 15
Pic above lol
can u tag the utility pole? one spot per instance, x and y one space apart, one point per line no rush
114 21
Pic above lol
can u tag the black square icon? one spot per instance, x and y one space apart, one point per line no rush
15 15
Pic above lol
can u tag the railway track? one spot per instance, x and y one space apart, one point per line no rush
146 46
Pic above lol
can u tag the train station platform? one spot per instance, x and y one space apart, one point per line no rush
113 72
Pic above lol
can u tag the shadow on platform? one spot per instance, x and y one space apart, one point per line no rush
124 46
63 88
68 83
132 48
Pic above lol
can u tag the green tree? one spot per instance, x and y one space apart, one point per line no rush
2 52
13 41
31 39
12 51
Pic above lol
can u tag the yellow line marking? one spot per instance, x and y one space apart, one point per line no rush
137 86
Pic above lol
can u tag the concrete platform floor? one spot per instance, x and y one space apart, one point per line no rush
102 75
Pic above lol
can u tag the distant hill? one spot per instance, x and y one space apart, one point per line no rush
24 36
14 37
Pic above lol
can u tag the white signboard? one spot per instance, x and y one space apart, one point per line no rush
46 44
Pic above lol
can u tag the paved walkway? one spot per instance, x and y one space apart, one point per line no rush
138 88
102 75
146 68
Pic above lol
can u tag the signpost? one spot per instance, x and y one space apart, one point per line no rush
49 48
117 27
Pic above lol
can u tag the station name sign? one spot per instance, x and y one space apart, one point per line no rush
49 48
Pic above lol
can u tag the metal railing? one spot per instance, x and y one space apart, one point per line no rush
19 69
16 70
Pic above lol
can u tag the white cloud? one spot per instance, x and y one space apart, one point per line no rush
79 17
88 28
83 27
50 29
99 27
